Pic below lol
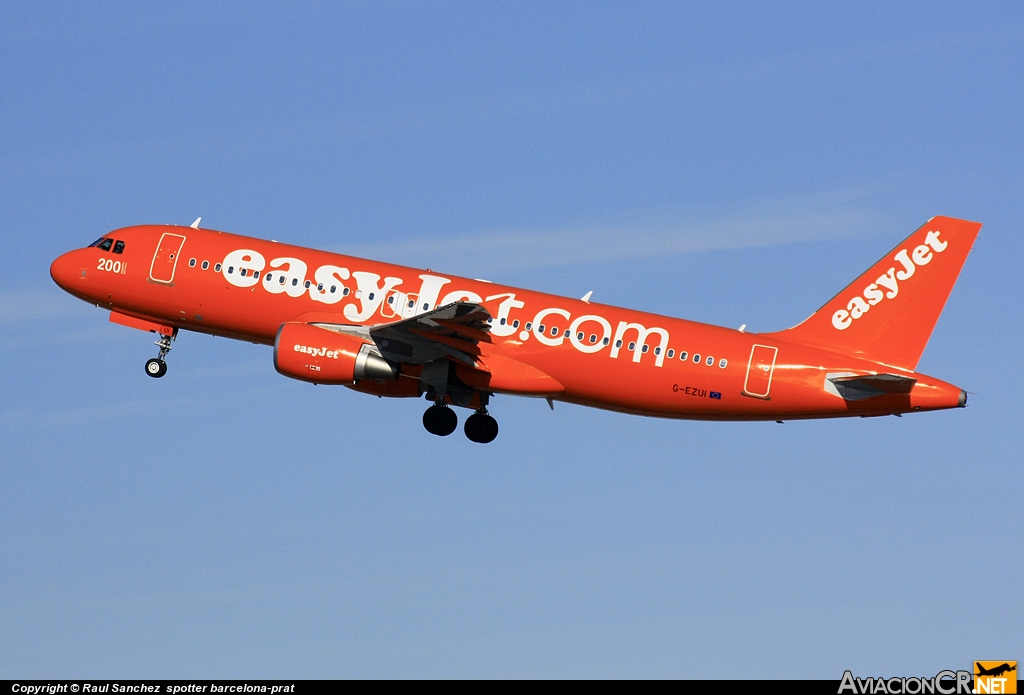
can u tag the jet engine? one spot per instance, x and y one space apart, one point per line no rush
321 356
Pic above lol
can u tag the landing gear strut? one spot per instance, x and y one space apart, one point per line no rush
441 420
481 427
157 367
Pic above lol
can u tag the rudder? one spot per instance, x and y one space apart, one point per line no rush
888 313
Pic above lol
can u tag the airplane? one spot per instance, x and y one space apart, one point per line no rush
995 671
388 330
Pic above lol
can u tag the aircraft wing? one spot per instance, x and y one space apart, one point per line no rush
452 331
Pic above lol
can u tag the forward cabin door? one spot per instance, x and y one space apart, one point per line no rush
166 258
760 369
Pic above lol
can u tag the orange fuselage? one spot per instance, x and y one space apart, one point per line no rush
602 356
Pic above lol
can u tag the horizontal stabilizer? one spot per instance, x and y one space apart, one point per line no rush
859 387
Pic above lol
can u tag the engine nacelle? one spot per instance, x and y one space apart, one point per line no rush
309 353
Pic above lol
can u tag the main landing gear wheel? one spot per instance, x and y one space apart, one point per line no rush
441 420
156 368
481 428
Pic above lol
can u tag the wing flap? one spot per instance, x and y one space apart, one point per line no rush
452 331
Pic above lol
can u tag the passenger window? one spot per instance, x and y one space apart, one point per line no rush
344 292
723 363
191 263
710 361
217 267
645 348
696 359
593 338
671 353
632 347
118 247
106 244
206 265
683 355
308 283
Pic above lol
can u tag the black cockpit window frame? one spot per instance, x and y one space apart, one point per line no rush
118 246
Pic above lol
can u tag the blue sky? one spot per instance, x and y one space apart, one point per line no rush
731 164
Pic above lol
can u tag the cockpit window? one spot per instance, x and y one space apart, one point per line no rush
106 244
96 243
118 247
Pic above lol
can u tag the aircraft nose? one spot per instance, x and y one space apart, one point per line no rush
66 269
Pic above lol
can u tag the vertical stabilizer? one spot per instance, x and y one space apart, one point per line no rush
888 313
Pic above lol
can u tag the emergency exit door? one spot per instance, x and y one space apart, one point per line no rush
760 369
166 258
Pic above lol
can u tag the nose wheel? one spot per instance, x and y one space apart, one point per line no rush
157 367
481 427
441 420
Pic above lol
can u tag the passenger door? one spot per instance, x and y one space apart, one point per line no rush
760 369
165 260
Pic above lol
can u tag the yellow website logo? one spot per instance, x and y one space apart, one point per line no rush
995 677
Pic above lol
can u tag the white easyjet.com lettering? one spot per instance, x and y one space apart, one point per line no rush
372 295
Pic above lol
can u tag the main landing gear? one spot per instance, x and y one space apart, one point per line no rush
157 367
441 385
441 420
481 427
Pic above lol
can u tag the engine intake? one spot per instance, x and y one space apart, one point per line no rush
320 356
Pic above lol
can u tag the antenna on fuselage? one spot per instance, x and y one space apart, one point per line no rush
586 297
195 225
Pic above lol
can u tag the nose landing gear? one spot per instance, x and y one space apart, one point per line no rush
157 367
481 427
441 420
